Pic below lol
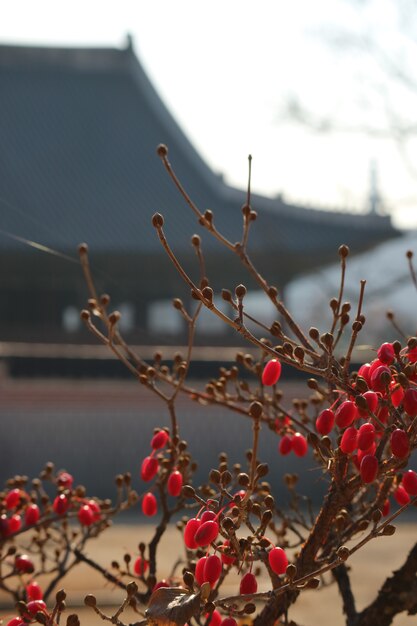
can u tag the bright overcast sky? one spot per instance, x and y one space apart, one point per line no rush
225 67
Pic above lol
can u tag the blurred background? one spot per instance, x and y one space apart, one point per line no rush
322 95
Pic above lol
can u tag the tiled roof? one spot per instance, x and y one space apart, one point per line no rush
78 132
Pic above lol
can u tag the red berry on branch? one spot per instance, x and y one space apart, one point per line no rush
378 382
362 453
299 444
228 621
149 468
159 440
15 523
409 482
16 621
410 401
363 372
400 444
23 564
65 480
212 569
141 566
285 445
35 606
372 400
386 508
207 533
325 422
349 441
61 504
149 504
207 516
412 355
34 591
278 560
369 468
271 373
162 583
32 514
248 584
345 414
366 436
95 507
386 353
199 570
213 619
174 484
397 394
85 515
401 496
12 499
190 530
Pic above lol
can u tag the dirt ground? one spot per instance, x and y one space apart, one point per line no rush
370 566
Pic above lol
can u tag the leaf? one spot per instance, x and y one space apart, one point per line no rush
172 606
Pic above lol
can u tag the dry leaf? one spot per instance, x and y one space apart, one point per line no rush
172 606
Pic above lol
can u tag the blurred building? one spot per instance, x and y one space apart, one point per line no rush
78 136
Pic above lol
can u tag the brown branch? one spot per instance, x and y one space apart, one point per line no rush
343 582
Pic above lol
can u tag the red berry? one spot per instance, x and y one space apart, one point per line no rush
378 382
271 373
23 564
278 561
299 444
410 401
95 507
140 566
162 583
386 353
207 533
372 400
386 508
401 496
149 468
362 453
285 445
227 559
382 414
400 444
363 372
12 499
346 413
325 422
212 569
149 504
190 530
369 468
35 606
366 436
4 525
159 440
16 621
213 619
199 570
207 516
61 504
349 440
409 482
34 591
412 355
15 523
174 484
65 480
85 515
372 367
228 621
32 514
397 394
248 584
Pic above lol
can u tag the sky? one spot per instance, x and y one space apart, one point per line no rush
226 69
